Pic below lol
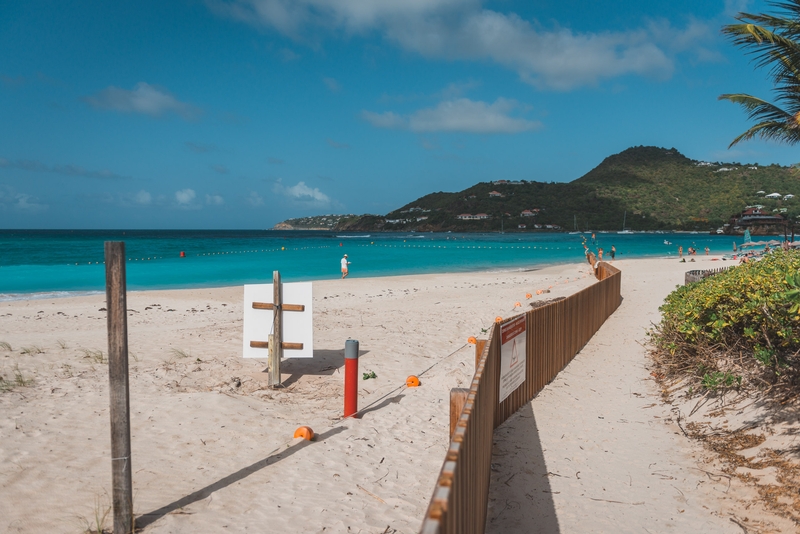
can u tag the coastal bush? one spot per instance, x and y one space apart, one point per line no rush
741 323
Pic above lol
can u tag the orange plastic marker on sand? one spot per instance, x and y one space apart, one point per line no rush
498 319
472 340
517 304
528 295
412 381
304 432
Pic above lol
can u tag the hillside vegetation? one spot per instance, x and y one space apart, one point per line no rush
658 188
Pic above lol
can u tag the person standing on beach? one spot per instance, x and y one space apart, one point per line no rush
345 263
680 251
613 252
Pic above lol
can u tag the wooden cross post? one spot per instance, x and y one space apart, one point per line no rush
116 302
276 345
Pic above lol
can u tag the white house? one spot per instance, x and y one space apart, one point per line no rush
787 197
774 195
527 213
495 194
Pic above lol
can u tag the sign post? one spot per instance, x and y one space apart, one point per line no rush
295 325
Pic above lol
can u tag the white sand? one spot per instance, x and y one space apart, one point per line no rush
209 455
230 449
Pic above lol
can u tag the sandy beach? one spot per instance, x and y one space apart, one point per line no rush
213 448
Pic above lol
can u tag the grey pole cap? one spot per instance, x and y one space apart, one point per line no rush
351 349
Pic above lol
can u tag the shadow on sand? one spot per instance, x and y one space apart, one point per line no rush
520 497
324 363
149 518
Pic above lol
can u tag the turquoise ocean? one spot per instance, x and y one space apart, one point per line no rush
48 263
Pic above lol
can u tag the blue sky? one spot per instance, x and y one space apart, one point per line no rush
242 113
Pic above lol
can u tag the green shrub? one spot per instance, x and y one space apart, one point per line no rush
753 303
744 319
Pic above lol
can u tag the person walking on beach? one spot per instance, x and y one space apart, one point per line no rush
613 252
680 251
345 263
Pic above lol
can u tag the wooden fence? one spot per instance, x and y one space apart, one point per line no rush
555 334
697 275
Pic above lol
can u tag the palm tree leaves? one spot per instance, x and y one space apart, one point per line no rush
773 41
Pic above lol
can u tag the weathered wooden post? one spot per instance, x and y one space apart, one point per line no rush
276 343
458 398
116 303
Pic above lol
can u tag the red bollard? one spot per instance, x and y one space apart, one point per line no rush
350 377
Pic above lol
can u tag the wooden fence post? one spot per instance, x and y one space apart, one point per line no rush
276 345
479 346
458 397
116 303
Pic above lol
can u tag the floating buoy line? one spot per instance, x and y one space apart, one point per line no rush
182 254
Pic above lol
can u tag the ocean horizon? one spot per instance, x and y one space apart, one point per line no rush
57 263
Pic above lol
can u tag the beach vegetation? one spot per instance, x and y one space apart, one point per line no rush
738 328
772 41
5 346
62 344
19 380
97 524
96 356
32 350
180 353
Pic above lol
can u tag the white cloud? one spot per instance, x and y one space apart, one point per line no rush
184 197
29 203
303 193
460 115
557 58
143 98
143 197
332 84
221 169
214 200
254 199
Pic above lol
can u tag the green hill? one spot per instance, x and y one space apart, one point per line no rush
658 189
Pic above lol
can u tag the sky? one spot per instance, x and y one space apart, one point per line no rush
238 114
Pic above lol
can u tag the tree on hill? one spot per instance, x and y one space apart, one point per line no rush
773 41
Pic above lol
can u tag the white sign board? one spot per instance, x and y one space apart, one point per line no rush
512 356
297 326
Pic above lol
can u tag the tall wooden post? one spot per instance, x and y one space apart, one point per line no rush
276 345
116 303
458 398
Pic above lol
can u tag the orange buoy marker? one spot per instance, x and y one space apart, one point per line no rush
538 291
183 254
472 340
528 295
304 432
350 377
498 319
412 381
517 304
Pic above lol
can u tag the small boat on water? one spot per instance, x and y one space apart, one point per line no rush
624 230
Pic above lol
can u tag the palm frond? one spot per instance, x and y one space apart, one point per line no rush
770 131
